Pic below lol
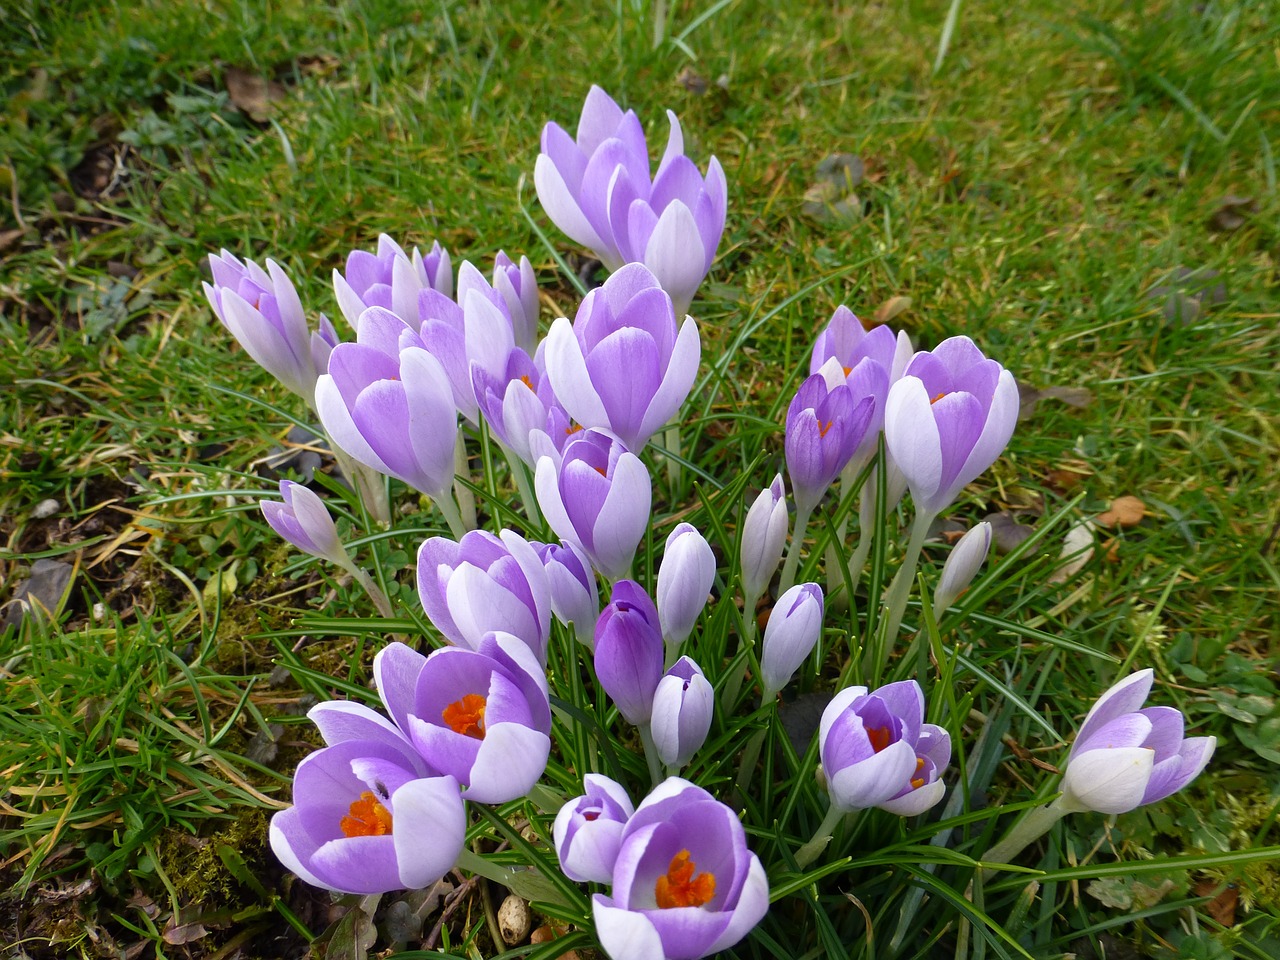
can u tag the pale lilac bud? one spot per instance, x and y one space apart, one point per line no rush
575 598
519 288
790 636
304 521
962 566
764 537
682 708
684 580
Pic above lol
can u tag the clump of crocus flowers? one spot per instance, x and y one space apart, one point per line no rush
440 363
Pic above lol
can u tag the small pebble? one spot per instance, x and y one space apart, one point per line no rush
45 509
514 920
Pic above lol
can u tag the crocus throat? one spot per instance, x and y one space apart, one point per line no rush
466 716
937 398
824 427
366 818
528 383
879 737
678 887
918 782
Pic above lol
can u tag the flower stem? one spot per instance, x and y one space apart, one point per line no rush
451 515
793 552
895 599
1034 825
520 473
810 851
466 499
671 440
373 590
367 483
651 754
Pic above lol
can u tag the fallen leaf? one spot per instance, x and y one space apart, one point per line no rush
1006 532
1124 511
1029 398
1064 479
891 308
831 197
183 933
1077 549
1185 294
1233 212
1223 906
692 81
42 591
252 94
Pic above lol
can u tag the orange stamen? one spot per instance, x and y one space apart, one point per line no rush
937 398
847 370
466 716
918 782
678 887
368 818
570 431
527 382
824 427
879 737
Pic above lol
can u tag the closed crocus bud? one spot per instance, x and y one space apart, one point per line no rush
629 651
391 279
575 598
304 521
597 497
877 751
790 636
481 716
485 583
628 324
1125 755
962 566
764 537
588 830
684 580
825 425
684 884
518 286
263 312
682 708
948 419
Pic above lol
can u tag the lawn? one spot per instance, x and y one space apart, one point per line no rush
1088 193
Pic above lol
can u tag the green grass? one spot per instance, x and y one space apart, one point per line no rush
1028 193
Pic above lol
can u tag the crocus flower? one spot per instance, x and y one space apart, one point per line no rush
824 427
948 419
263 312
304 521
790 635
518 286
684 884
877 751
392 413
682 708
684 579
485 583
962 566
369 815
764 537
481 716
628 651
391 279
516 403
1126 755
598 497
575 598
622 365
847 341
588 830
597 190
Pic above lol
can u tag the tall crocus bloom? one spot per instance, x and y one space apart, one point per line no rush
481 716
518 286
263 312
628 651
597 190
684 580
588 830
575 598
948 419
623 366
764 537
514 403
394 413
391 279
877 751
1126 755
369 815
485 583
304 521
684 883
790 636
825 425
962 566
683 705
847 341
598 498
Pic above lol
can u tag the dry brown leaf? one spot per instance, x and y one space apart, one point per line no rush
1077 549
891 308
1125 511
252 94
183 933
1222 907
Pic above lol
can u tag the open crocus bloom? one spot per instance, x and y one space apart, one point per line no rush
877 751
391 279
481 716
825 425
1126 755
684 883
588 830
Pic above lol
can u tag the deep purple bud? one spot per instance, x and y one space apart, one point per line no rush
629 651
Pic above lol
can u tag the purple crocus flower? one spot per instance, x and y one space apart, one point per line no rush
790 636
684 580
263 312
369 815
948 419
622 365
683 705
516 403
684 883
628 651
304 521
877 751
518 286
1126 755
481 716
764 537
588 830
391 279
485 583
825 425
575 598
597 190
394 413
598 498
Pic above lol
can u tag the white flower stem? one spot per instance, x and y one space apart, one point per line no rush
520 473
895 598
750 757
651 754
821 837
793 552
451 515
373 590
367 483
1034 825
671 440
466 499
